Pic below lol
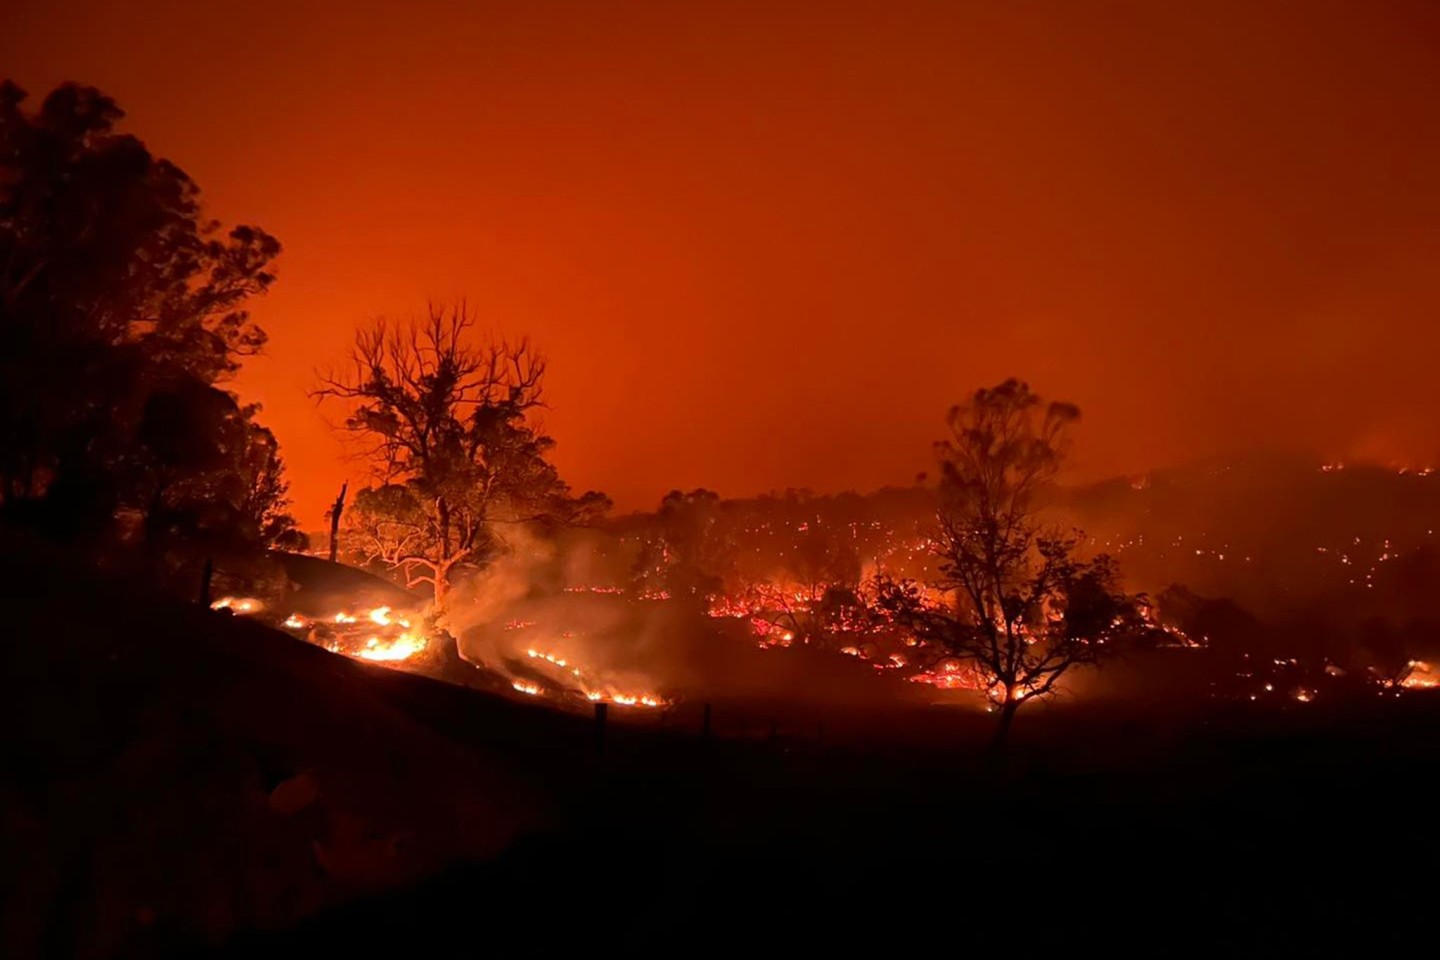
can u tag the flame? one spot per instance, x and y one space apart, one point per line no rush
625 699
381 616
949 676
379 647
525 686
593 693
402 647
997 692
241 605
396 641
952 675
1420 677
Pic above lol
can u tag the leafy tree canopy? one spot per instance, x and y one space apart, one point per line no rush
122 310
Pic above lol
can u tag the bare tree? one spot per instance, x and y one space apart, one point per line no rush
813 600
447 428
1013 603
688 552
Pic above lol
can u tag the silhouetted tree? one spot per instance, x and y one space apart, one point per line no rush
814 598
686 555
448 429
334 515
212 480
121 310
1015 603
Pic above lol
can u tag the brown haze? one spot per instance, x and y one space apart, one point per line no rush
767 244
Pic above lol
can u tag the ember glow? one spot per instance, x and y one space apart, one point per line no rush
571 679
402 647
1421 676
242 605
377 634
382 617
777 614
951 675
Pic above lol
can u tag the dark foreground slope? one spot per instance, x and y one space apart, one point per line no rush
171 774
174 776
1282 840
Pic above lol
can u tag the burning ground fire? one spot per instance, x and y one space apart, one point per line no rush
595 693
241 605
783 616
380 634
779 616
1421 676
375 634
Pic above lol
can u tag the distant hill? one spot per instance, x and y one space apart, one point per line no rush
1283 535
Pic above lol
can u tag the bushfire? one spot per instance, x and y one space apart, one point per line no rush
572 679
243 605
1421 676
367 634
834 620
381 634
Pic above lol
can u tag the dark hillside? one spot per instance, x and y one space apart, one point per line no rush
171 769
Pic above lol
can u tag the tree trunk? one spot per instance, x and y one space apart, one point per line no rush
1000 744
335 512
442 513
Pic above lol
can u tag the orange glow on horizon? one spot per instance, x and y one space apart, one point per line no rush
1181 217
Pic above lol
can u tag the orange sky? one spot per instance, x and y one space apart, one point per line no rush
767 244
